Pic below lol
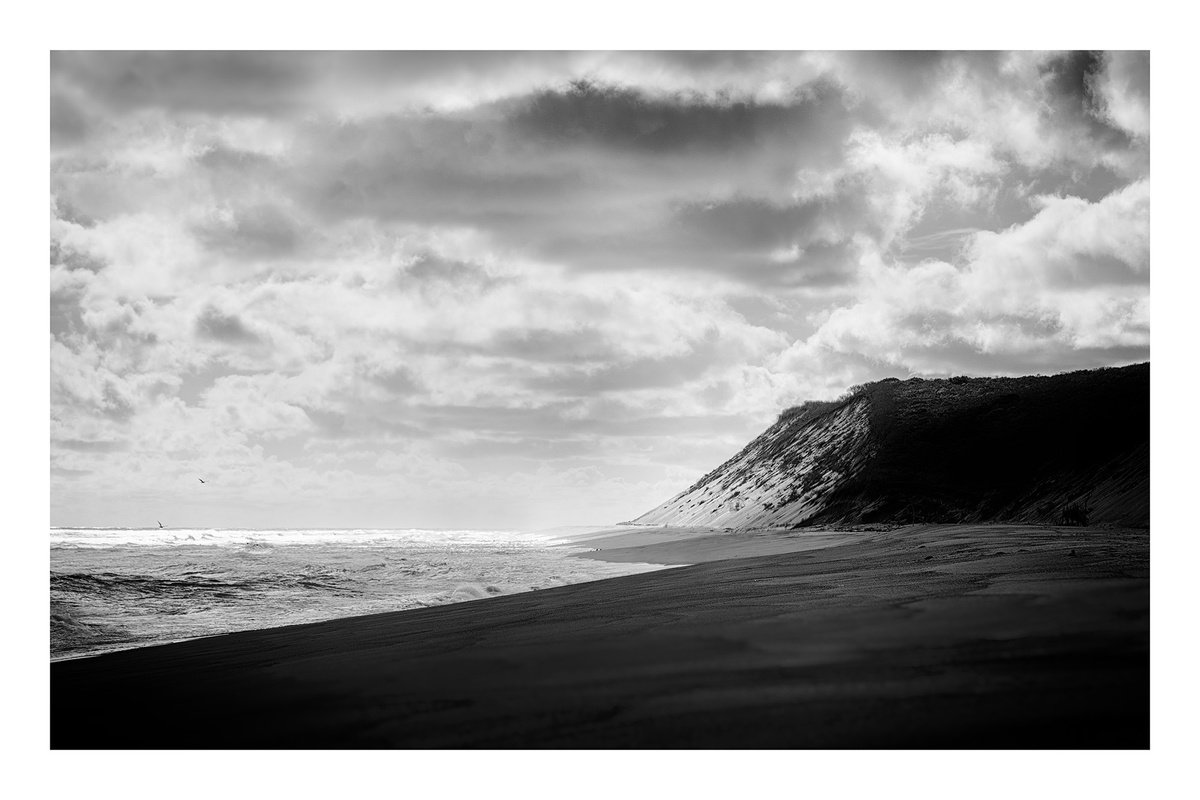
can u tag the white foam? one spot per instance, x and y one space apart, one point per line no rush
239 537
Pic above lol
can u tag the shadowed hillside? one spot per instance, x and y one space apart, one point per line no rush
1065 449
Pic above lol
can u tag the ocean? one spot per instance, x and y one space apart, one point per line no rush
117 588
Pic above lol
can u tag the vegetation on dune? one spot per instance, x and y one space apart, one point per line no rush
811 410
808 410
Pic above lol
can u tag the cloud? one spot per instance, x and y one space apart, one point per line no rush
208 81
379 280
397 380
1122 92
1065 288
90 446
1034 108
219 326
259 231
571 345
628 118
1071 242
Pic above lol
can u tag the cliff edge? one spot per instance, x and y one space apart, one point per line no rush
1062 449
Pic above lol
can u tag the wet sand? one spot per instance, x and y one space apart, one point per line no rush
932 637
679 546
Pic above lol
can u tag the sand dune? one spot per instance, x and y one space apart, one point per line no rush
1037 449
937 636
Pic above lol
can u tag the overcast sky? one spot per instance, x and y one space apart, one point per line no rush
529 289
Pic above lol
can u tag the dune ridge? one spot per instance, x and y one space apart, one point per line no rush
1064 449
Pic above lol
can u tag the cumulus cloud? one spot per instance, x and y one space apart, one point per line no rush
1122 91
1067 288
567 282
213 324
628 118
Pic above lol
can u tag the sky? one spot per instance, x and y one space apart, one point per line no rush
518 290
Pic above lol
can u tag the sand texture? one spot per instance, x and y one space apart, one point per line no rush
938 636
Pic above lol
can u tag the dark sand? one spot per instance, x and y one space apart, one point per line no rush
931 637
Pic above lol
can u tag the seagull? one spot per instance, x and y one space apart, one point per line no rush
159 523
201 480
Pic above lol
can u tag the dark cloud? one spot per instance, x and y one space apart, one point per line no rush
66 313
1072 74
819 264
209 81
432 268
73 259
397 380
259 231
328 422
720 62
1064 101
125 330
1071 81
903 76
1095 271
65 210
748 223
1135 77
68 123
597 202
115 404
753 241
269 84
212 323
541 344
428 168
64 472
221 157
623 117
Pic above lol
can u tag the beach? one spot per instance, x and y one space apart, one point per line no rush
962 636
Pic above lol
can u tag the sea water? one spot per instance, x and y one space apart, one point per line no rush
117 588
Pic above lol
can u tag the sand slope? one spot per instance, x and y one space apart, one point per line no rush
960 636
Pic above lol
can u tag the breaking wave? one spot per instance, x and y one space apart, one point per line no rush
116 588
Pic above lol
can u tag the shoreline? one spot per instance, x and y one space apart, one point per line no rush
671 546
91 613
955 636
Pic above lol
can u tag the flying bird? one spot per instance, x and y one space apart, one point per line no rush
159 523
201 480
